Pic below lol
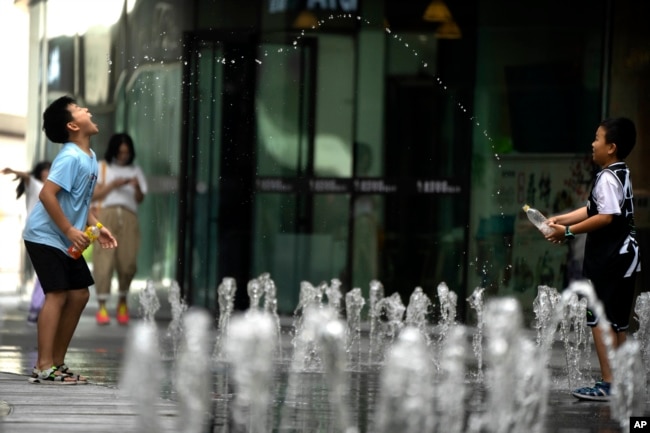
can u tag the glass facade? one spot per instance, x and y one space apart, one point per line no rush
349 140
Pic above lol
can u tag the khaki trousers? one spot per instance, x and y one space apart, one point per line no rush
125 228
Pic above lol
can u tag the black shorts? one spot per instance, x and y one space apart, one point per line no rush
617 297
58 271
614 283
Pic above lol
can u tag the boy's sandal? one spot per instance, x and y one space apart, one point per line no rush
599 392
81 380
49 377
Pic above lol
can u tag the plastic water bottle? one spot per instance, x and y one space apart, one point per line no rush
537 218
93 233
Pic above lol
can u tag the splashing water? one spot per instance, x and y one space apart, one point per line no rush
515 367
448 301
142 370
226 298
629 386
545 305
376 294
310 296
532 373
178 307
306 353
417 311
271 307
250 353
392 310
642 335
477 303
451 389
354 303
334 295
194 356
149 302
622 381
331 340
306 360
406 386
574 323
255 292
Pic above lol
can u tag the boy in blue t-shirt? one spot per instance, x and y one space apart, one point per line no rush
58 221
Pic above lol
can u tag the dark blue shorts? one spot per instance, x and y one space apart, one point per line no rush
58 271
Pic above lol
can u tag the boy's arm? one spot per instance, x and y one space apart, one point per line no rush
579 221
51 204
570 218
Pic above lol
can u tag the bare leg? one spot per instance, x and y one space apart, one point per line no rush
48 323
601 350
71 313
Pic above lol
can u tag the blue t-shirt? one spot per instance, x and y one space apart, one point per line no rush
76 173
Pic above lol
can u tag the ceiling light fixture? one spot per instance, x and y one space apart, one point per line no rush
437 12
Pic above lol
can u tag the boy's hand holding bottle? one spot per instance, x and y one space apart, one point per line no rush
92 233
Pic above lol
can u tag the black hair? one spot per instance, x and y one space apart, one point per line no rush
36 172
56 117
114 144
620 131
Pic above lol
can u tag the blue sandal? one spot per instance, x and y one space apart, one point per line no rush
601 391
49 377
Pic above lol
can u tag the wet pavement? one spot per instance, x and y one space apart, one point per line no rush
97 352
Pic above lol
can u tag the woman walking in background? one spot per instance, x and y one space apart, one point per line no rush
121 187
30 184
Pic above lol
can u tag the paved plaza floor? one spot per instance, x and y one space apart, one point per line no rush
102 406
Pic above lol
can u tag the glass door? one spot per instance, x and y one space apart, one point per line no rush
304 114
216 181
199 199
